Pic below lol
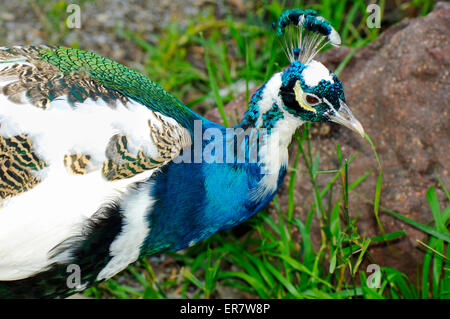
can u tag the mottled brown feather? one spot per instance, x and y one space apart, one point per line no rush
169 141
18 162
39 82
78 164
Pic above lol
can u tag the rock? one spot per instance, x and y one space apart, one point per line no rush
398 87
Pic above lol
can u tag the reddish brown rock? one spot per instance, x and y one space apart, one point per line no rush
398 87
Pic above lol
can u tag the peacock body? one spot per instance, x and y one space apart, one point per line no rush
100 166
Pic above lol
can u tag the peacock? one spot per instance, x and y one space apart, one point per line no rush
100 166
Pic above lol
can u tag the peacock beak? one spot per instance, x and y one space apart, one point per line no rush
345 117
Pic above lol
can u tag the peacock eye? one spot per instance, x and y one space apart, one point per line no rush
311 99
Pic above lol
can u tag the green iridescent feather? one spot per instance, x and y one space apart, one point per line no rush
122 79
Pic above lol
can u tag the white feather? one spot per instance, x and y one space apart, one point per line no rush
34 222
269 96
315 72
126 247
334 37
274 152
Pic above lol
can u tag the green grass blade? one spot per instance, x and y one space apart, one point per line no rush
418 225
446 215
215 87
443 188
344 62
257 285
376 205
361 255
291 188
288 285
435 209
302 268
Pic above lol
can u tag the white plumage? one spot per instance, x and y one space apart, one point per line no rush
56 208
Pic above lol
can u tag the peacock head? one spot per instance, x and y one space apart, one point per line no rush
309 91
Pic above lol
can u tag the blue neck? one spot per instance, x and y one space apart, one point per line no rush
198 199
212 186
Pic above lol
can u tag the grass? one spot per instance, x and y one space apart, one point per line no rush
276 258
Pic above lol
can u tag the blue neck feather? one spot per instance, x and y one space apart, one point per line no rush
197 200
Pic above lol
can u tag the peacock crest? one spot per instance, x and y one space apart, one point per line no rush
303 33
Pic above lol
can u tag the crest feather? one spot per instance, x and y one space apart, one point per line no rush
305 33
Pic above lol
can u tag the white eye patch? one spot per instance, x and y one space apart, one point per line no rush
300 97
